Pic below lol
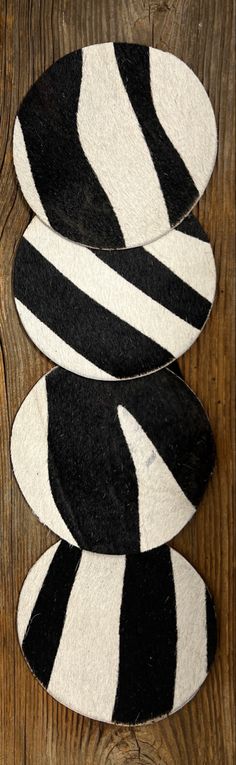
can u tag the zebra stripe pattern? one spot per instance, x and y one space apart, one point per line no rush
114 144
112 468
118 639
113 315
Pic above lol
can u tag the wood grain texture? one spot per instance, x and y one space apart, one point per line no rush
35 730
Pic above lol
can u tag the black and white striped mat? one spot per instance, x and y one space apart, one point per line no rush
114 144
112 468
123 640
108 314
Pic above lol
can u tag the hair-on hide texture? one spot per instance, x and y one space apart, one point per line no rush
125 640
114 144
112 468
113 315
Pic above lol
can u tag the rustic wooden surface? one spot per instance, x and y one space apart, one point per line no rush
35 730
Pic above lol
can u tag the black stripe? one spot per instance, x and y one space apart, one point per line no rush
91 472
192 227
43 634
96 333
75 202
178 187
148 637
157 281
211 629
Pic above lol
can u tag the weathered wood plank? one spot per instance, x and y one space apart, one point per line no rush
35 729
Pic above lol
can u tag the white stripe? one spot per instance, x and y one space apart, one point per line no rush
185 113
29 453
189 258
163 507
101 283
56 349
114 145
31 588
24 173
85 672
190 595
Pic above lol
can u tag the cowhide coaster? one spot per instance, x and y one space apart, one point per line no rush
114 144
112 468
122 640
113 315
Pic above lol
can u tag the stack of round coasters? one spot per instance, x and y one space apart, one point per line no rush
114 278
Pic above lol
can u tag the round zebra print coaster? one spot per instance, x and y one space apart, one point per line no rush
112 468
113 315
114 144
122 640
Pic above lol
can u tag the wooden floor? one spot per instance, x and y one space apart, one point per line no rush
35 730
